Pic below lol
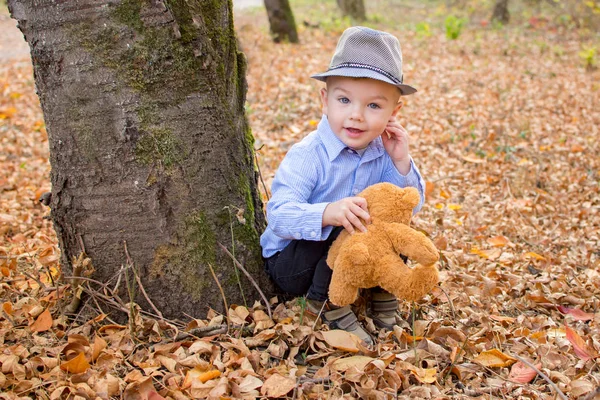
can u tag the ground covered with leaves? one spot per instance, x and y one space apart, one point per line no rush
505 130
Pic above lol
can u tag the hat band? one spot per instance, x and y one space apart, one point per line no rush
369 67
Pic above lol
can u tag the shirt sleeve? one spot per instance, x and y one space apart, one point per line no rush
289 213
412 178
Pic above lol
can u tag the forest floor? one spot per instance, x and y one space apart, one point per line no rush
505 129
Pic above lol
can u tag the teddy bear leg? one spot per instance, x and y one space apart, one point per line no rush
341 293
407 283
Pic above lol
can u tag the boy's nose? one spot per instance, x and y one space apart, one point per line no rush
356 114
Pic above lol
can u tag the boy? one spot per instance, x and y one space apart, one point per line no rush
356 144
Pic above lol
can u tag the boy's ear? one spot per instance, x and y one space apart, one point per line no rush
398 107
324 100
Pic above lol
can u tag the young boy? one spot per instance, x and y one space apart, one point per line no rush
356 144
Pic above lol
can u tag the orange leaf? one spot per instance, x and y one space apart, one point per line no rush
531 254
576 313
207 376
494 358
522 373
425 375
7 307
579 346
429 187
498 241
99 345
77 365
43 322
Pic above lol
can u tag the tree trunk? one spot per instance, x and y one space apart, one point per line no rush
281 21
501 13
354 9
150 150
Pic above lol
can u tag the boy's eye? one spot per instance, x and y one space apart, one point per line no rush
344 100
374 106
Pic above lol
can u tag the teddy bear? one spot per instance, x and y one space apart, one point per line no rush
372 258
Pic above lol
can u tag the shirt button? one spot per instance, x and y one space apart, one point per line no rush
349 151
354 191
297 235
313 234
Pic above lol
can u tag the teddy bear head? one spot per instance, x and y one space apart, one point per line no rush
398 205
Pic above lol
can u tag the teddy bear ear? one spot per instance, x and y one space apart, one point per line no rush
411 196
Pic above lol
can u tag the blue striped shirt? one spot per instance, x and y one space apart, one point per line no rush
316 171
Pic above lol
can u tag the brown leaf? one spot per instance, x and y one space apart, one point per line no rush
343 364
342 340
43 322
498 241
277 386
99 345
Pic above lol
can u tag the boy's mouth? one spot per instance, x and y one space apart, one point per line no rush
354 131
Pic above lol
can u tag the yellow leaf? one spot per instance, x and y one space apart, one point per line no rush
43 322
454 207
77 365
494 358
439 206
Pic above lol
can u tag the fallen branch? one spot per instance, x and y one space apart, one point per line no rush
237 263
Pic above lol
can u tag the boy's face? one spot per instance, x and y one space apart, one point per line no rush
358 109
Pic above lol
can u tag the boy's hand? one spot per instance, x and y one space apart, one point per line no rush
395 141
347 213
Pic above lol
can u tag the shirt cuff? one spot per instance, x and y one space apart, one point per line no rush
412 178
312 228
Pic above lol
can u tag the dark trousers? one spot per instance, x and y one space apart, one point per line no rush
301 268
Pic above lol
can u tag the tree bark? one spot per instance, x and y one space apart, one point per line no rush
354 9
149 144
501 12
281 21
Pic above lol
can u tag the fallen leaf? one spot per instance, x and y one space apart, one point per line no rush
531 254
43 322
76 365
208 375
343 364
494 358
522 373
277 386
498 241
342 340
581 348
577 314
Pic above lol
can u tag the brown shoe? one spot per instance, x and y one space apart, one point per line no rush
383 309
338 318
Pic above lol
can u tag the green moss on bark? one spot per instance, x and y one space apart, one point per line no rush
160 144
189 257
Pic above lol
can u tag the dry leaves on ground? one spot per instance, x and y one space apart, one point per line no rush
504 130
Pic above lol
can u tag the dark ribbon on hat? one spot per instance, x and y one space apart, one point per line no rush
370 67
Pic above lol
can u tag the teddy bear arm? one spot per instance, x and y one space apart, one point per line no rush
412 243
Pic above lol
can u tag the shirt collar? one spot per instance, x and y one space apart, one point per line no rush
334 146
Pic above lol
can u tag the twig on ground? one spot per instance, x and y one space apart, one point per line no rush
319 315
449 302
202 331
39 282
222 295
139 281
239 265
